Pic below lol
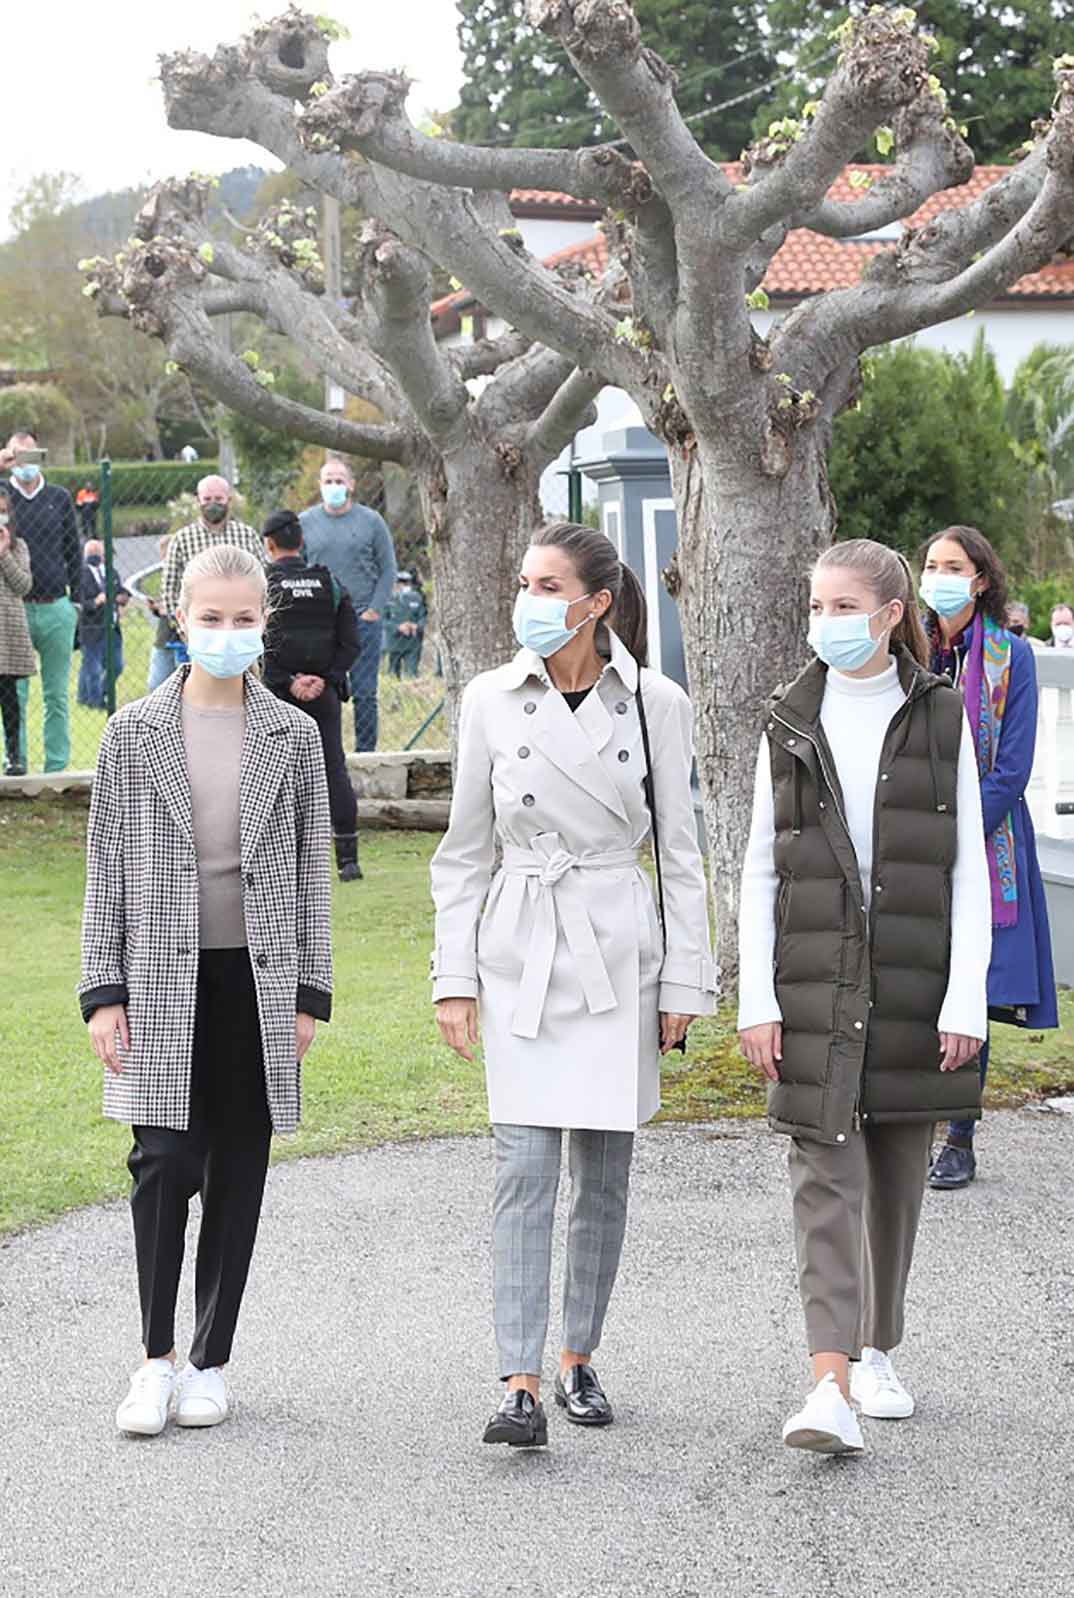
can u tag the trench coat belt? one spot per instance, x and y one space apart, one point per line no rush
549 865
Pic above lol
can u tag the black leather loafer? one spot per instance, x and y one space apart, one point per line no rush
954 1166
520 1422
582 1396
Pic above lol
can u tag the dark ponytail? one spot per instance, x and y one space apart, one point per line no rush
598 567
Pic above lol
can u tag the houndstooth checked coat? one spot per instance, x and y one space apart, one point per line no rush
140 922
16 651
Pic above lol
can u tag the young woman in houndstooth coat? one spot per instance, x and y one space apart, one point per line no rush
206 964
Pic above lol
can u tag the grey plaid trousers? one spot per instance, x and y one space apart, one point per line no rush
527 1180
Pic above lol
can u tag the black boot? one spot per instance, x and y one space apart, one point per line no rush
347 857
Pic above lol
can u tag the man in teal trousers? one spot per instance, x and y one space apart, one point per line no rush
45 519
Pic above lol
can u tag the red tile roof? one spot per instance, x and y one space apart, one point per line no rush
809 263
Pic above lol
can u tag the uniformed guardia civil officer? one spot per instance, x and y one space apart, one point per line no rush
561 948
311 642
404 626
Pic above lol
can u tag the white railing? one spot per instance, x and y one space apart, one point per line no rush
1052 781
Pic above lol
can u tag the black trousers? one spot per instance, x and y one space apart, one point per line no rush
327 713
223 1155
10 714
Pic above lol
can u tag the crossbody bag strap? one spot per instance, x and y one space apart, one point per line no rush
650 799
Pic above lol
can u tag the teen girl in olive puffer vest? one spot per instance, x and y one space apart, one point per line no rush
864 946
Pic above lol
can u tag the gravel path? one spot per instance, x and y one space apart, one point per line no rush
363 1375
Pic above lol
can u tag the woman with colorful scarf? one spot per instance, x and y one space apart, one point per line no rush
964 587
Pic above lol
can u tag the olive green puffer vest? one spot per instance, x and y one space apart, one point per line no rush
860 995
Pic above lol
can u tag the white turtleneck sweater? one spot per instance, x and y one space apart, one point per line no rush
855 714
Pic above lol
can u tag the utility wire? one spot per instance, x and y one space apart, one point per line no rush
598 113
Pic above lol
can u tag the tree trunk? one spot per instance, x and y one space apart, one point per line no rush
481 516
747 542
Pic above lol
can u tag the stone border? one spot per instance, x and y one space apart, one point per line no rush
395 789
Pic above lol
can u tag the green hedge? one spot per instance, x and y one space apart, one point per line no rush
137 482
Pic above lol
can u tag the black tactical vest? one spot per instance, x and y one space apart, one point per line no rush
860 995
301 632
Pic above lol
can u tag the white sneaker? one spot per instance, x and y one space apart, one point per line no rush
144 1411
877 1390
201 1398
826 1424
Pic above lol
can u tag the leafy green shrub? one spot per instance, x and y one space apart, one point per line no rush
929 446
1042 594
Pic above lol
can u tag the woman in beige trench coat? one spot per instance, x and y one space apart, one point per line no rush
561 949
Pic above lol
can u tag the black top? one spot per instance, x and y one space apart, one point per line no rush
575 699
48 525
312 625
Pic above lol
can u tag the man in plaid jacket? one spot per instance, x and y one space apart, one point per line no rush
213 526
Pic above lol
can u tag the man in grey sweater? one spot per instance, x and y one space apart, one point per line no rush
353 541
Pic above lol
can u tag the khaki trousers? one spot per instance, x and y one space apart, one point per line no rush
856 1209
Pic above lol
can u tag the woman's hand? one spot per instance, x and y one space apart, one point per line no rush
104 1025
958 1050
305 1032
763 1047
457 1020
5 540
673 1028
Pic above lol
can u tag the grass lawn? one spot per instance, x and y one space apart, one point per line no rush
378 1072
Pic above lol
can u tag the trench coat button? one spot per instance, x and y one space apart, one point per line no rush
621 708
821 805
262 961
771 726
249 879
858 1025
184 950
528 799
624 754
884 776
791 742
840 1137
529 707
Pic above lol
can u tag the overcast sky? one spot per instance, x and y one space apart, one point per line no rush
83 101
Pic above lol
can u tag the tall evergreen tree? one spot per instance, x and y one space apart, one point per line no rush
520 89
994 60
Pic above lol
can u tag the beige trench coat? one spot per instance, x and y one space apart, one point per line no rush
561 945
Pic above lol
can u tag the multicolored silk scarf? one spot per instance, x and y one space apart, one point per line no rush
985 685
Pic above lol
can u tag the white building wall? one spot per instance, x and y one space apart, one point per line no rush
543 236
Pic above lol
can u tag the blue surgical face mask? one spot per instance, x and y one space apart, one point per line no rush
225 651
335 495
844 642
946 595
541 622
26 474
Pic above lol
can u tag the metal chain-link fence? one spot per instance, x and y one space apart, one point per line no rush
97 630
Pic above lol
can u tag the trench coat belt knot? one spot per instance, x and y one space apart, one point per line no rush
548 863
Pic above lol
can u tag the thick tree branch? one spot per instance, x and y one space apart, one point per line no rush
487 355
930 157
571 408
523 388
366 113
396 289
885 66
937 272
194 346
444 223
637 89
